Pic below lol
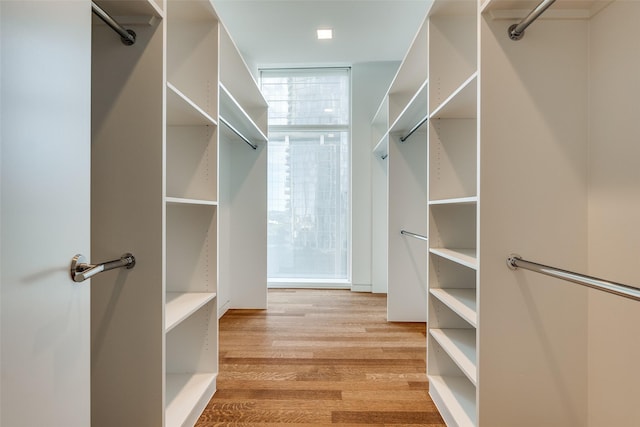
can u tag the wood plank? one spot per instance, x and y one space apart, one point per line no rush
320 358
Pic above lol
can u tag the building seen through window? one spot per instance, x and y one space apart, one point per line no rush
308 173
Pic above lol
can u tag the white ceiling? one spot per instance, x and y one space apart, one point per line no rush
283 32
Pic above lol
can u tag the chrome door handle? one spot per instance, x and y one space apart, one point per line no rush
81 270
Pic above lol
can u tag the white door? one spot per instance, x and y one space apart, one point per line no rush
45 73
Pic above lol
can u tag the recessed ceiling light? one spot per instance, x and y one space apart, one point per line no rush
325 33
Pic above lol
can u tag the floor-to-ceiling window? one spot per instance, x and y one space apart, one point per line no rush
308 175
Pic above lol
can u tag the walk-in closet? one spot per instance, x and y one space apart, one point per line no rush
493 211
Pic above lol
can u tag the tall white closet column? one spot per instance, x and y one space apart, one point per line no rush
162 189
399 171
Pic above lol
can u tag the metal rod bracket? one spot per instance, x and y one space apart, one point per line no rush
512 260
515 35
516 31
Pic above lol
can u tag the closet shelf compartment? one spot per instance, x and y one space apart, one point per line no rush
187 395
455 397
182 111
461 104
455 201
415 110
237 117
463 256
183 201
460 345
124 11
463 302
181 305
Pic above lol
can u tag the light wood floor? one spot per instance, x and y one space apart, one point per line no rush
320 358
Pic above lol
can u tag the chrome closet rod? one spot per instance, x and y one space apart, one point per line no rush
128 37
234 130
516 31
515 261
415 128
417 236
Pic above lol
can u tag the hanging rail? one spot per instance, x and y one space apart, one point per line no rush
234 130
81 270
415 128
516 31
514 261
414 235
128 37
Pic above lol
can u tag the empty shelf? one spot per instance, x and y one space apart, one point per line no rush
464 256
460 345
187 396
181 305
181 111
183 201
455 397
455 201
460 301
461 104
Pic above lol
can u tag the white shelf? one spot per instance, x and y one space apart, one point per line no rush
455 397
463 256
181 305
455 201
187 395
183 201
413 113
460 301
460 345
382 147
461 104
125 10
237 117
182 111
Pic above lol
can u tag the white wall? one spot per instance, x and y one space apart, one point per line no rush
369 84
614 214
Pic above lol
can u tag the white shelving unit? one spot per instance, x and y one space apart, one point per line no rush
172 194
452 366
243 184
523 141
191 359
399 199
